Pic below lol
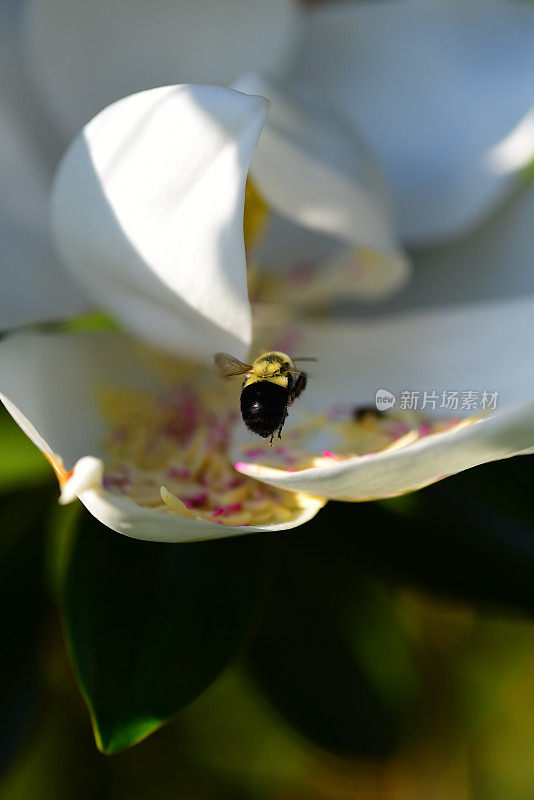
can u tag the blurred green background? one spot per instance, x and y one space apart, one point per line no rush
383 652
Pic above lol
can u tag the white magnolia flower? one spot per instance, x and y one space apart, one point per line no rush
442 93
441 90
418 79
142 45
147 211
148 216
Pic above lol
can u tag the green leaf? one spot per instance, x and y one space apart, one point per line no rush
149 626
21 463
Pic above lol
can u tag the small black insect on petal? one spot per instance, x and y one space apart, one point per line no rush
361 412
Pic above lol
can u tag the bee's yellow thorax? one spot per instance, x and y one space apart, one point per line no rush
268 368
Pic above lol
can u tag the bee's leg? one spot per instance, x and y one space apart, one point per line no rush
283 420
271 442
300 385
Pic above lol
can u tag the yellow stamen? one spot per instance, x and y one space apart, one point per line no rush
170 454
255 216
175 504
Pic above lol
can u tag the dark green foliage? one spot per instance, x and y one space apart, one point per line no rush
150 626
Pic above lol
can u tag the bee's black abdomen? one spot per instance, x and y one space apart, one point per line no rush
263 407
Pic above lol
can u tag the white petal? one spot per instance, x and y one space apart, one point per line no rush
284 244
85 55
300 268
398 471
10 12
50 385
122 515
311 270
471 348
34 287
311 167
148 214
493 262
443 92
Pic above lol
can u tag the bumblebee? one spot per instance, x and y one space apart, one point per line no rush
271 385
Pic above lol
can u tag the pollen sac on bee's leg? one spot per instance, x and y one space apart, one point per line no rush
263 407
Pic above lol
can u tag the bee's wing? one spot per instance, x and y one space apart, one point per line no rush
230 367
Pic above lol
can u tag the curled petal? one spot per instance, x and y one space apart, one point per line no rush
148 214
84 56
312 168
121 514
61 411
470 349
443 93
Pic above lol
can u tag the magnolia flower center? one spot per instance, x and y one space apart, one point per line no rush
345 432
170 453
